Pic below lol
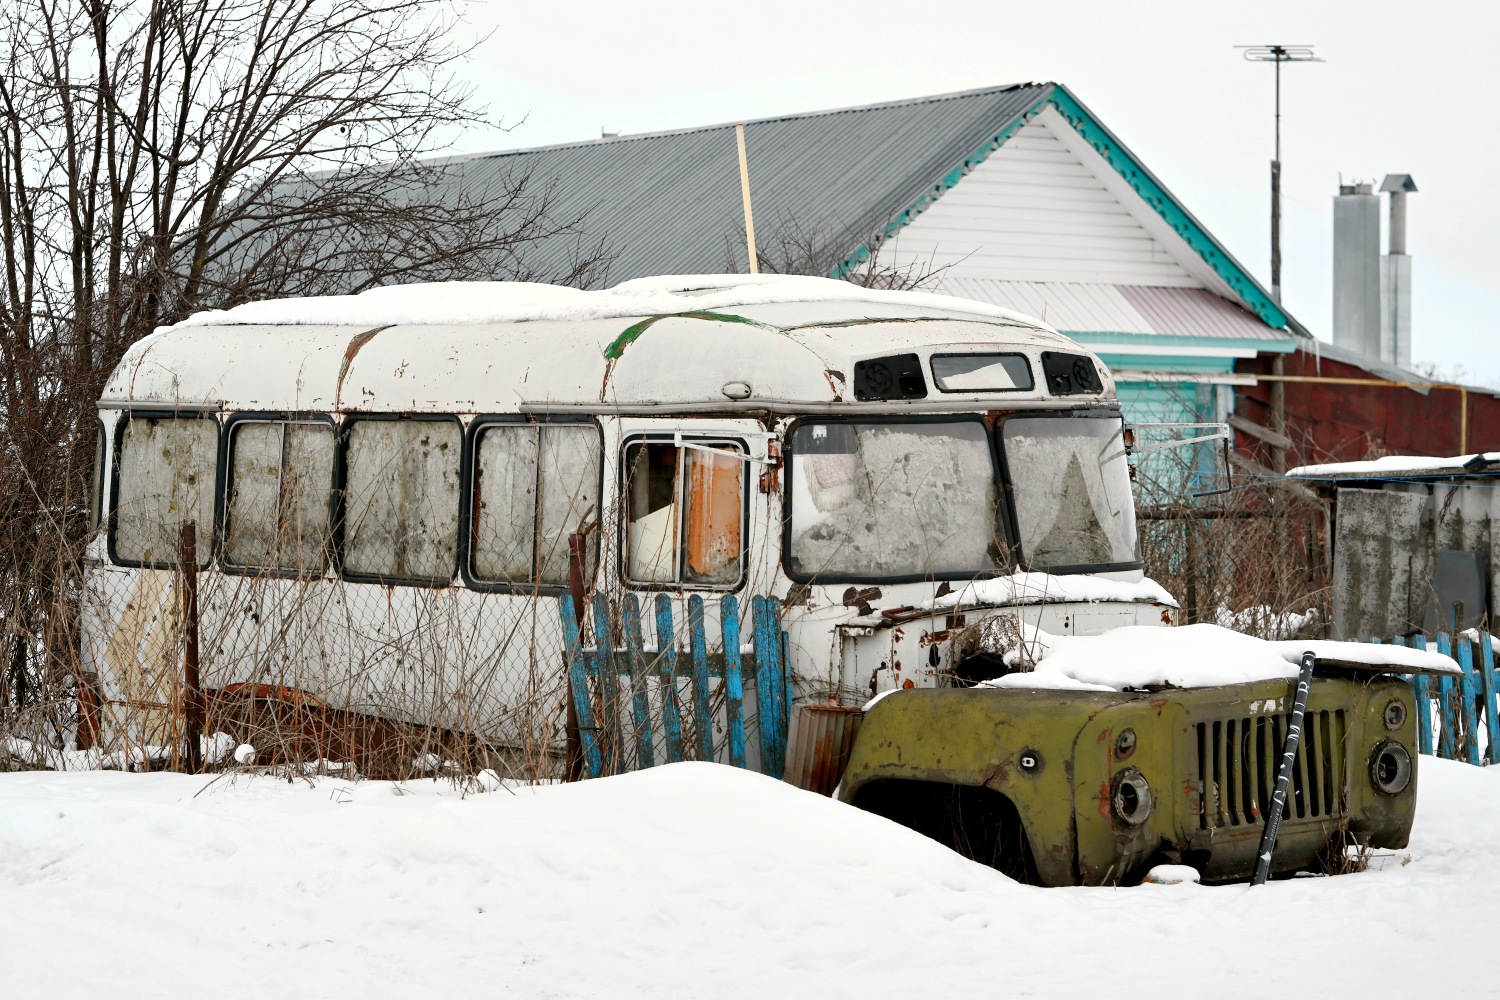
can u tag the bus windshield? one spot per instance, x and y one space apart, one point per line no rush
887 500
1071 488
892 500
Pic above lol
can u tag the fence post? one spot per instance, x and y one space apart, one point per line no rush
1424 703
192 694
703 721
1468 692
640 695
573 752
1447 741
578 695
666 664
1487 689
734 682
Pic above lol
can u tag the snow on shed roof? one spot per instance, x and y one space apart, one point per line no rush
1403 467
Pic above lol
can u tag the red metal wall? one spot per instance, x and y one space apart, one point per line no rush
1330 422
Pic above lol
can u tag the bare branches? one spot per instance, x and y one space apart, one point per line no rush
159 157
790 247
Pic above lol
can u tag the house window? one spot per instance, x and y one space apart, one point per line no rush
166 479
280 482
534 485
685 513
401 499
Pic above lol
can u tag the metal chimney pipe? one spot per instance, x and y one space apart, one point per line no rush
1398 186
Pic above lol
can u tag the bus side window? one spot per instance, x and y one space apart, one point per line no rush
280 482
166 469
534 485
685 516
401 499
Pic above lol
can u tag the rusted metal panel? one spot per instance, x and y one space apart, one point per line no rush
821 742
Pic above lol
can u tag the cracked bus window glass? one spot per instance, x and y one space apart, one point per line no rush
280 482
166 467
401 499
1071 490
703 547
534 486
884 500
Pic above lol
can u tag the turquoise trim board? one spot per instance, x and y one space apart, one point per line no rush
1101 341
1130 169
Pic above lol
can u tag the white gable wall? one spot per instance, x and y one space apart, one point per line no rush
1045 207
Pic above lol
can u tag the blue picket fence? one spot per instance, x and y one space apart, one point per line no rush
1458 706
625 694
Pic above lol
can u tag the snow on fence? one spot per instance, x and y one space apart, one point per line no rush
1452 726
624 692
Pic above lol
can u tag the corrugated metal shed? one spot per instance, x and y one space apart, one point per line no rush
669 202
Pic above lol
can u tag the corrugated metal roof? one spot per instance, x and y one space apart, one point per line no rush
1082 308
669 203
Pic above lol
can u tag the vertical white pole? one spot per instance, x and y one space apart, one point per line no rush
739 135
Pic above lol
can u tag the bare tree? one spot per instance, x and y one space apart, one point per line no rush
790 247
158 157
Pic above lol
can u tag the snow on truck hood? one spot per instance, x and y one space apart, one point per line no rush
1044 588
1190 656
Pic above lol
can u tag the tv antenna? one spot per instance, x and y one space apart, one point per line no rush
1277 54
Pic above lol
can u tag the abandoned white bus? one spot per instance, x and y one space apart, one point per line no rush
384 487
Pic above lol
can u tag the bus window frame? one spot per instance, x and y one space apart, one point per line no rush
206 556
1014 525
221 510
467 509
1004 525
622 525
341 479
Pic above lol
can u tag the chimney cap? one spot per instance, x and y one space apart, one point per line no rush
1395 183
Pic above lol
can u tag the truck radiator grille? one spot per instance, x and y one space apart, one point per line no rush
1238 761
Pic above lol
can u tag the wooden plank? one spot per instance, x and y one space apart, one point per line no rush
609 685
1487 692
1271 437
579 663
703 719
1468 694
666 665
640 694
1424 699
768 689
734 682
1447 748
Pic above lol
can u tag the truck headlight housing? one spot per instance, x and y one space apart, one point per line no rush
1390 767
1132 797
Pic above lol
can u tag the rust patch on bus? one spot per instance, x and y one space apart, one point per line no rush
356 342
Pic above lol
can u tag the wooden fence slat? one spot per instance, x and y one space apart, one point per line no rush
775 654
767 683
666 665
640 694
609 684
703 721
578 673
1468 694
1447 745
1487 691
734 684
1424 703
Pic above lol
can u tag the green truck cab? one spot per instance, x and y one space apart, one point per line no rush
1095 788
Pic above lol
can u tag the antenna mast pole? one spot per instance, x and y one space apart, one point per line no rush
1277 54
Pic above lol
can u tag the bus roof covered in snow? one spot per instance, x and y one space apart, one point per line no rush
720 342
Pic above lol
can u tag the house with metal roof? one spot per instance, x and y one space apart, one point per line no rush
1015 195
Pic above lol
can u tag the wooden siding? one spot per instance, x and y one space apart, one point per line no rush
1034 211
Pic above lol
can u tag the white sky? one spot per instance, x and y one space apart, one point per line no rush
1405 89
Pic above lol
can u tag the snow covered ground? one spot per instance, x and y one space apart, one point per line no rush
686 881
